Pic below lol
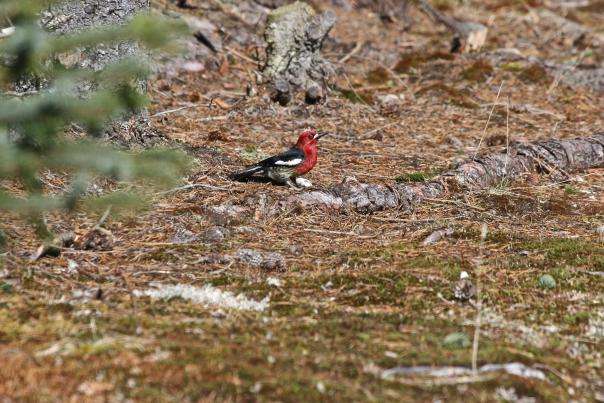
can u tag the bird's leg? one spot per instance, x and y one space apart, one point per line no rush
290 184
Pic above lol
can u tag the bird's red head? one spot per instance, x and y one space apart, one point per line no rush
308 138
307 142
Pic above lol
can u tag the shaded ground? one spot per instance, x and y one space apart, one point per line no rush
359 293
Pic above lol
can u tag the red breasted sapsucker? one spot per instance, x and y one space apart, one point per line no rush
289 165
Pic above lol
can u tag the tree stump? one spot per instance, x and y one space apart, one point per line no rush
294 34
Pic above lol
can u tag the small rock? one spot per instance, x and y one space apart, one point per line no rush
316 198
215 234
296 250
88 294
389 100
264 260
305 183
437 236
226 214
275 282
94 388
72 266
96 239
314 94
547 281
456 340
281 92
184 236
600 231
464 289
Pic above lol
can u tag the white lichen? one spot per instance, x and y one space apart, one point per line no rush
206 296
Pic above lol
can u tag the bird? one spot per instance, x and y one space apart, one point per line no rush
289 165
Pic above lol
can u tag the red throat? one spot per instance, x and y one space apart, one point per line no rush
310 159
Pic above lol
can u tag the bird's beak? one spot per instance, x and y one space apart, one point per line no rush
321 134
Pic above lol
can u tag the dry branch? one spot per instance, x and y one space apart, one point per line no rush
472 34
561 156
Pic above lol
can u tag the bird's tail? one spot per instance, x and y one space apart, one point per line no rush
246 174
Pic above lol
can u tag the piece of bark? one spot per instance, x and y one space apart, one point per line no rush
294 35
471 35
550 156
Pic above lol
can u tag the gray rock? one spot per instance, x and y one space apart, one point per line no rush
226 214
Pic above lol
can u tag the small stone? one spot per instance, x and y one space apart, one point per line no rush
226 214
184 236
251 91
547 281
305 183
215 234
96 239
456 340
389 100
600 231
264 260
464 289
313 95
281 92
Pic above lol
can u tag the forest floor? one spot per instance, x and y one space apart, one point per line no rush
351 295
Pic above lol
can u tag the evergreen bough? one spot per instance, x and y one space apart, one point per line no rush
33 124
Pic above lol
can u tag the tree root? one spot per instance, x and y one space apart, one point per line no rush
550 156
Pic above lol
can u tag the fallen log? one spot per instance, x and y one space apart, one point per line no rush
561 156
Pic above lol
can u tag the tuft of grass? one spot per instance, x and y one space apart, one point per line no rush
570 189
479 71
534 74
251 153
413 60
379 75
512 66
354 96
419 176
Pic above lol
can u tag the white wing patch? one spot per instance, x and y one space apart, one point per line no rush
289 163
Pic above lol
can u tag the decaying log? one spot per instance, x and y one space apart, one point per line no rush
550 156
472 35
294 35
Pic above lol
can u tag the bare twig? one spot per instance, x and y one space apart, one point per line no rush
484 131
477 322
354 51
198 185
175 110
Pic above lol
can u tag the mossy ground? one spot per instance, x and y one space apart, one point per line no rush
361 293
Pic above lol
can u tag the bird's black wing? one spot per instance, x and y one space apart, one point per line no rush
289 158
